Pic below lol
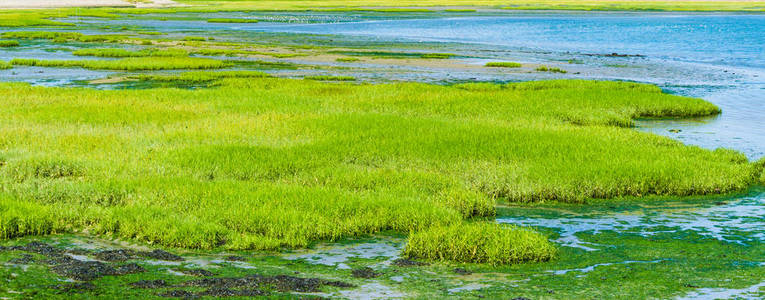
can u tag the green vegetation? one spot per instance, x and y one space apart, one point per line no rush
460 10
330 78
438 55
5 65
401 55
118 52
9 43
347 59
232 21
238 52
194 39
62 37
503 65
480 243
270 163
550 69
129 64
202 76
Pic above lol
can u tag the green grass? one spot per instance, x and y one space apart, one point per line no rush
9 43
550 69
330 78
271 163
503 65
5 65
194 39
202 76
347 59
438 55
118 52
239 52
232 20
62 37
487 243
398 55
129 64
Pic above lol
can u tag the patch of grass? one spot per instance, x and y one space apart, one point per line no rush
9 43
503 65
550 69
4 65
194 39
129 64
460 10
402 55
347 59
330 78
272 163
118 52
238 52
232 20
488 243
204 76
62 37
438 55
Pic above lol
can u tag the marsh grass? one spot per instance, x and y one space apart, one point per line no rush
194 39
222 20
203 76
63 37
400 55
550 69
266 163
503 65
239 52
4 65
129 64
488 243
330 78
119 53
9 43
347 59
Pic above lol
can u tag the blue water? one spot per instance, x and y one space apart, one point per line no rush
737 40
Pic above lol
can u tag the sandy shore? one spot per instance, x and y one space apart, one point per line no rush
5 4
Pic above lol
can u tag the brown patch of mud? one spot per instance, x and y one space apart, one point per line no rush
461 271
195 272
111 80
66 265
365 272
403 262
127 254
282 283
76 287
149 284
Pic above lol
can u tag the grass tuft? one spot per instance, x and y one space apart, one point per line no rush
4 65
9 43
347 59
117 52
129 64
503 65
550 69
202 77
488 243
